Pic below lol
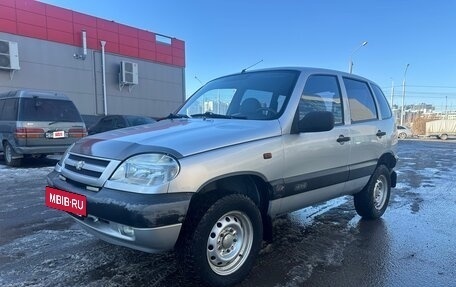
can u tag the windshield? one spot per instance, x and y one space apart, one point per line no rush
254 96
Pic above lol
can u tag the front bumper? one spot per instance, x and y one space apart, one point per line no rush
146 222
144 239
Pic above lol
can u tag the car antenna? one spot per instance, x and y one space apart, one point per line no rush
243 71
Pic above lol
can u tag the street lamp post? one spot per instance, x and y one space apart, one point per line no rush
392 93
198 80
403 94
350 64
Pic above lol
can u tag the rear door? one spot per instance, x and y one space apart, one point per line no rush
367 133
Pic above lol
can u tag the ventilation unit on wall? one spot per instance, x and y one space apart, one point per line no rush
9 56
128 73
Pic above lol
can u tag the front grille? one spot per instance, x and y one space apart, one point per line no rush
88 170
89 160
84 171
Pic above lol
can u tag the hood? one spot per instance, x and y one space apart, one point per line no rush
178 137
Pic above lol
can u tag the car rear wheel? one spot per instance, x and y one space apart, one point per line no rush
372 201
9 153
224 244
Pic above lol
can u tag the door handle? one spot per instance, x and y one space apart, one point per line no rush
343 139
380 133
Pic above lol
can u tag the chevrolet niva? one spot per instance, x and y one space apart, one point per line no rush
243 149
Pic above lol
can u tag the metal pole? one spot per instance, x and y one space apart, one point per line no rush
350 63
103 75
403 94
392 93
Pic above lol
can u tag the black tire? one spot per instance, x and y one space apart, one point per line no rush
8 154
372 201
223 246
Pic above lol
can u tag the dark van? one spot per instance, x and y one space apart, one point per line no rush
36 123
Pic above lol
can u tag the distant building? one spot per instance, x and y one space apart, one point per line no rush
50 48
423 107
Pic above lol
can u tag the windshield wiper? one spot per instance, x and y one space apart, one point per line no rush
216 116
176 116
61 121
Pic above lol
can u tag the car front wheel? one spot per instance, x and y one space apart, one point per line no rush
372 201
224 244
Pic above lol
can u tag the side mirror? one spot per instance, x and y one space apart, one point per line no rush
319 121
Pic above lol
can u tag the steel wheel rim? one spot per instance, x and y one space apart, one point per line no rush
380 192
229 242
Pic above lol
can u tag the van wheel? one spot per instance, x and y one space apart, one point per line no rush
372 201
225 243
8 153
444 137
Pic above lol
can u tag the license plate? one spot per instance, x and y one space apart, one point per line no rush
55 135
58 134
66 201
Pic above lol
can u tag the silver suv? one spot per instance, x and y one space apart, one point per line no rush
244 148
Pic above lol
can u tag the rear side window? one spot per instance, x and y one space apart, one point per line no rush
9 110
322 93
385 110
107 123
362 105
48 110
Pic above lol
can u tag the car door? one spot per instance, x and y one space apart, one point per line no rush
367 133
316 163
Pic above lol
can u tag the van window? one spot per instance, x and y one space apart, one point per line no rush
362 105
9 110
48 110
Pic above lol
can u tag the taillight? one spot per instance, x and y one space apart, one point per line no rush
77 133
23 133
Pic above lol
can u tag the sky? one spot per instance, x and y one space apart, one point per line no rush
224 37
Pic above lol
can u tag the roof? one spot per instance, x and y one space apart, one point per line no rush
34 93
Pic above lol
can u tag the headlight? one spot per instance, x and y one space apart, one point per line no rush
146 170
